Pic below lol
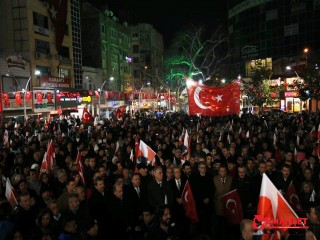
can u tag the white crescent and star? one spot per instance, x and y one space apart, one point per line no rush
53 12
231 201
197 98
292 197
219 98
198 102
186 196
85 115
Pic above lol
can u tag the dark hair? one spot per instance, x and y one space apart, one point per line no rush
160 211
42 213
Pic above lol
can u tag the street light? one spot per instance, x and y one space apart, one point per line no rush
100 89
289 68
306 51
24 90
139 99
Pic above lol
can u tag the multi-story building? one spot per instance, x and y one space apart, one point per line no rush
274 34
44 36
147 61
129 57
106 45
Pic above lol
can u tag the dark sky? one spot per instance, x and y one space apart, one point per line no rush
168 16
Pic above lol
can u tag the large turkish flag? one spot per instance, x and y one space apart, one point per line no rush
213 101
58 14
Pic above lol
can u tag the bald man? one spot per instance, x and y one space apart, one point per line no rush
246 229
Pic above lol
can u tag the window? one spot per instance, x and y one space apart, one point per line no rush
64 73
136 60
135 48
64 52
45 71
40 23
42 47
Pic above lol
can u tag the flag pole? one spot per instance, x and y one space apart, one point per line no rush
184 188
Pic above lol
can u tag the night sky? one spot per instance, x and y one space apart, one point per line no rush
168 16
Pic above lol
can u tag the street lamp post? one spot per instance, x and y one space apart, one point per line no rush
99 90
24 90
290 68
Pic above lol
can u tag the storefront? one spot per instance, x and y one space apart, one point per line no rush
43 100
69 101
292 101
15 74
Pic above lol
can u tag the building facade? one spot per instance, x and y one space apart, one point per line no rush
106 46
45 35
274 34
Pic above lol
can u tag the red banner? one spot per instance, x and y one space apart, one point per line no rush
213 101
18 98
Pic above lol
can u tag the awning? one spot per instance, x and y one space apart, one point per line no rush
18 113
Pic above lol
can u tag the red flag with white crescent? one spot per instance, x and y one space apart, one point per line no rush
136 145
213 101
80 167
86 116
189 203
58 10
18 98
232 207
292 197
146 151
11 194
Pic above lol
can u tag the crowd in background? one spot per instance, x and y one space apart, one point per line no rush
121 198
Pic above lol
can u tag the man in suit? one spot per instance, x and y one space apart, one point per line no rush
98 204
136 197
203 191
223 183
159 191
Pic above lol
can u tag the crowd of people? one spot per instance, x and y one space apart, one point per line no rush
118 197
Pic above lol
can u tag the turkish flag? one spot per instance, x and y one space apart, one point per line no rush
186 142
120 112
17 96
106 93
39 97
146 151
49 97
58 14
131 155
80 167
213 101
48 159
189 203
232 207
292 197
136 145
272 205
6 99
86 116
28 95
10 194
